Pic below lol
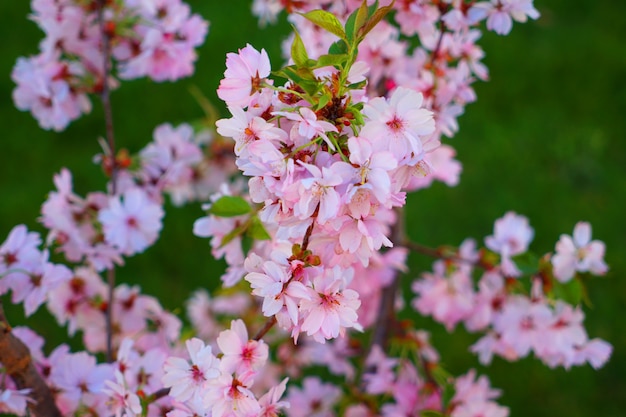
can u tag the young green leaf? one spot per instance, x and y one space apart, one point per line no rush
374 20
335 60
298 51
256 230
236 232
362 14
431 413
230 206
338 48
571 292
326 20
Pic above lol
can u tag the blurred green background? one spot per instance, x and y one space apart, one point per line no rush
545 139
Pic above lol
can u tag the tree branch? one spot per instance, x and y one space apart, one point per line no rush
386 310
105 96
15 357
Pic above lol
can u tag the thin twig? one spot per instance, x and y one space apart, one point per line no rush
18 364
266 328
105 96
386 316
440 253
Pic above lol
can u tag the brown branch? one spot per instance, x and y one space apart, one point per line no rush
15 357
440 253
266 328
105 96
386 310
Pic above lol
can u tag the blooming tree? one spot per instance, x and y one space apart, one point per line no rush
304 185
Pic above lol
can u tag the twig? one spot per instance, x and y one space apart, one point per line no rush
18 363
266 328
441 254
105 96
386 311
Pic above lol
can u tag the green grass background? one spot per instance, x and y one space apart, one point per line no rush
545 139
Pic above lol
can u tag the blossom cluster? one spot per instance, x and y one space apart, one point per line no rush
325 175
443 66
101 228
155 38
312 240
516 321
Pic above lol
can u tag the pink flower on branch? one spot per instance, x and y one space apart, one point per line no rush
240 354
132 222
578 253
244 76
187 379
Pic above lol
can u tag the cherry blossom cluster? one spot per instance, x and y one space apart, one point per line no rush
326 172
443 67
101 228
516 320
223 384
155 38
308 234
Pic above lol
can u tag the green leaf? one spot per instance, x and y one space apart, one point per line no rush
571 292
236 232
358 86
256 230
431 413
335 60
326 20
338 48
246 244
298 51
324 100
441 376
374 20
350 22
230 206
527 263
362 14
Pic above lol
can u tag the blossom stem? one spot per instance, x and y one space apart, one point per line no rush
266 328
105 96
442 31
18 363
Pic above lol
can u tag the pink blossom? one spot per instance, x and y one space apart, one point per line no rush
131 223
448 299
319 190
270 402
523 324
279 291
246 128
33 289
501 13
511 237
187 379
14 401
315 399
244 76
43 88
402 120
380 380
230 396
309 126
240 354
578 253
331 308
123 402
